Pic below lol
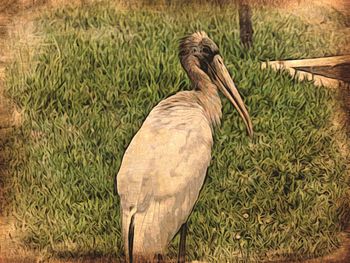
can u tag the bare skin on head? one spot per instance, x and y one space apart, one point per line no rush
164 167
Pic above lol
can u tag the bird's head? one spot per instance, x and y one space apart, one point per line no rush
199 52
198 46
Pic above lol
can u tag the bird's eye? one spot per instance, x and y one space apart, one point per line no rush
206 50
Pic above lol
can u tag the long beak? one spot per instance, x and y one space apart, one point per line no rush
224 82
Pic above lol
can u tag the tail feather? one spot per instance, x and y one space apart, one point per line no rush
131 239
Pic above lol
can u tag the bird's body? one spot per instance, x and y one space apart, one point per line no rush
164 167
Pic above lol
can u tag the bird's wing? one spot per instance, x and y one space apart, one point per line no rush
161 160
163 170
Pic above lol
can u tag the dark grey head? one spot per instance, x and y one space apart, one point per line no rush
198 45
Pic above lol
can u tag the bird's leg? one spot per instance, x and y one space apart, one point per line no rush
159 258
182 245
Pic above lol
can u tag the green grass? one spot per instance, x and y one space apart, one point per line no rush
96 76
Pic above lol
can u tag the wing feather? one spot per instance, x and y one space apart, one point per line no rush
162 172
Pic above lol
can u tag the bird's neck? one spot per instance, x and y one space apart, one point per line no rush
207 94
209 99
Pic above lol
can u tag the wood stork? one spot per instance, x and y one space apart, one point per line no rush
164 167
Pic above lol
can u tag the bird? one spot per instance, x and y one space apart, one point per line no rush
164 166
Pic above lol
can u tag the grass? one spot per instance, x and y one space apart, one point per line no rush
96 76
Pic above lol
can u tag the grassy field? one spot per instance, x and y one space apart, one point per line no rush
97 74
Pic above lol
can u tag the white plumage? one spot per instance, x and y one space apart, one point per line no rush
162 172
